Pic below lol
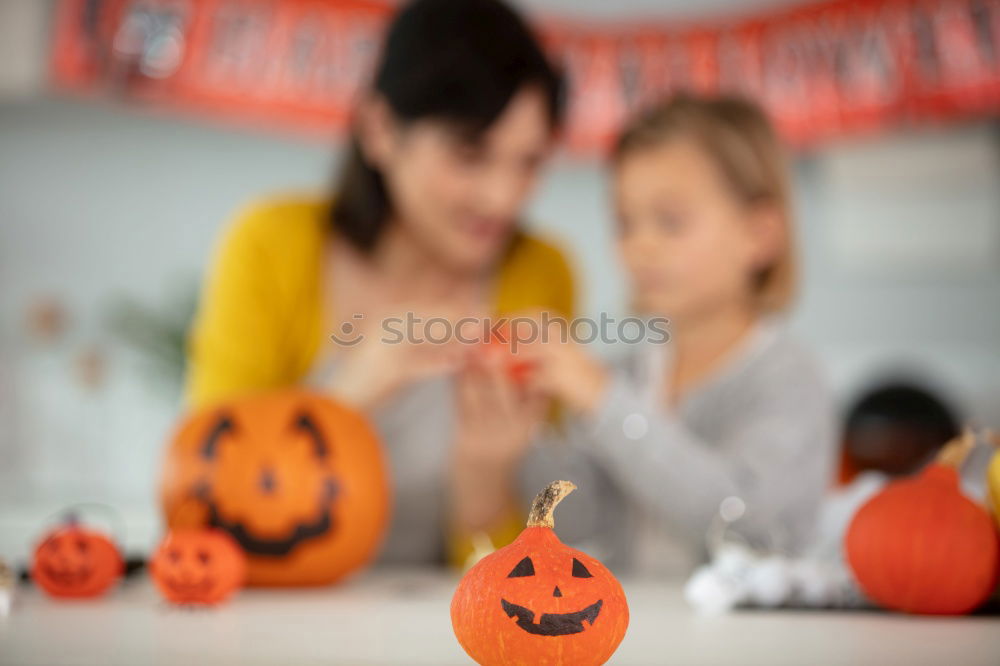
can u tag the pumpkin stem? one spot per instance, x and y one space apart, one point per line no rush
546 501
954 452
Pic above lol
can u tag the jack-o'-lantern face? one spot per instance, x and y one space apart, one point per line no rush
198 566
560 621
269 501
73 562
545 589
538 601
297 480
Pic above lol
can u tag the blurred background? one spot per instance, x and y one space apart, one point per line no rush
126 143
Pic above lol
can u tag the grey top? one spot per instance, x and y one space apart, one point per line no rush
760 429
417 428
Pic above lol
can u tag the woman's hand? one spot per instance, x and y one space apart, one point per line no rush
379 365
564 371
496 422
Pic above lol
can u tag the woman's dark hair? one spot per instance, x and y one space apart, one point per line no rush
460 61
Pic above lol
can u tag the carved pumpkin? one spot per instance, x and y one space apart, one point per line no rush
538 601
296 479
198 566
921 546
74 562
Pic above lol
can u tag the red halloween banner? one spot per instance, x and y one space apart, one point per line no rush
822 70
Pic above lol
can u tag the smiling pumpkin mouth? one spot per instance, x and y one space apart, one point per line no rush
185 587
66 577
553 624
271 547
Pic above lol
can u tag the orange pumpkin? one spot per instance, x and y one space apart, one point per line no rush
74 562
296 479
538 601
921 546
198 566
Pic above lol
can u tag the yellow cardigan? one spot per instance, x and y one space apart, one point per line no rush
259 323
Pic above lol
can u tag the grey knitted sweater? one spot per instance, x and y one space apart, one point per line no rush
759 431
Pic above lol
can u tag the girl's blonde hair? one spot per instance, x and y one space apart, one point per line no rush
740 140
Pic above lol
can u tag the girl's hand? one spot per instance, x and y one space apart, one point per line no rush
564 371
496 422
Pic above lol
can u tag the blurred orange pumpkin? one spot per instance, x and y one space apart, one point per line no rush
198 566
921 546
74 562
296 479
538 601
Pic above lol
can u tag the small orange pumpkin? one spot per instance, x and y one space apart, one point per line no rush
74 562
198 566
538 601
921 546
298 480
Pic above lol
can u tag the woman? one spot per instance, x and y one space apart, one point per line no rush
732 413
446 147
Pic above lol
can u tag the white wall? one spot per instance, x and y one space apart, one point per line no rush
96 202
23 45
902 245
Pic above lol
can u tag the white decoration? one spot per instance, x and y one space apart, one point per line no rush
768 582
713 593
738 576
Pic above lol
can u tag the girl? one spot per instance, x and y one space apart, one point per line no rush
731 413
447 144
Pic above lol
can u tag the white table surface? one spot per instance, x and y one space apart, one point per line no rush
401 617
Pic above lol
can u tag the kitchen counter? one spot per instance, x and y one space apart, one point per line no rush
401 617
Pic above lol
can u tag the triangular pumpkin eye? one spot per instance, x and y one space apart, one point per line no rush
580 571
306 423
223 425
524 568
